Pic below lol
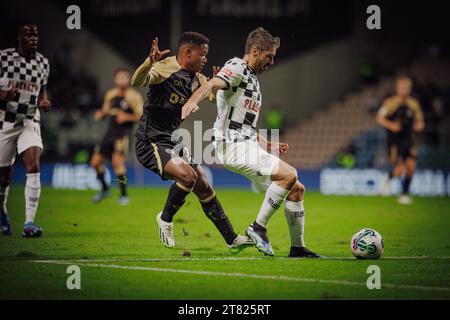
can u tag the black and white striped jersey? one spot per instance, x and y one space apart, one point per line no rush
28 76
239 104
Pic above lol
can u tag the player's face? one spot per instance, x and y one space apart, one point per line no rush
265 59
28 38
403 87
197 58
122 79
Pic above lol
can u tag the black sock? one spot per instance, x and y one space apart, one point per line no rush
101 178
406 184
174 202
258 227
261 230
122 181
215 213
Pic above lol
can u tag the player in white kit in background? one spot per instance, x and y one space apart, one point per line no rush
242 150
24 73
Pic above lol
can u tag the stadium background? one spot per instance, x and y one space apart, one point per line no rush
330 76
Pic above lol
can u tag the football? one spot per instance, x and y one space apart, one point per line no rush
367 244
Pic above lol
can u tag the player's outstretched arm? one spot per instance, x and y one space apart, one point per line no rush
205 90
215 71
141 76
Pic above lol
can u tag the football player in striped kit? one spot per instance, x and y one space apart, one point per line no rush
243 151
23 73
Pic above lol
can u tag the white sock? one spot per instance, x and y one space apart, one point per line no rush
32 194
3 198
295 217
274 197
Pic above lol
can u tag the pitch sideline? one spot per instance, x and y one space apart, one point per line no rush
243 275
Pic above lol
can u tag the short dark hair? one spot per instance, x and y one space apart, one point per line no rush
261 39
22 24
194 38
121 70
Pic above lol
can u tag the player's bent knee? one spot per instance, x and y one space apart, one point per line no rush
5 181
5 176
32 167
297 192
290 176
188 178
301 188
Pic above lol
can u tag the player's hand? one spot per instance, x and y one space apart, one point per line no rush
99 114
187 109
418 126
395 127
45 105
122 117
282 148
8 95
216 70
156 55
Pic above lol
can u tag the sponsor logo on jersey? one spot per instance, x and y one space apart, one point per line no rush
227 72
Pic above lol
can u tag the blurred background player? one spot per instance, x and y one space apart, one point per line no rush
401 115
23 73
171 82
243 151
123 106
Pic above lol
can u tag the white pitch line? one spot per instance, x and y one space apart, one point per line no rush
245 275
226 259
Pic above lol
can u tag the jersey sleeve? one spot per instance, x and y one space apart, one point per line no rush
136 102
417 109
107 101
231 73
162 70
46 72
387 108
202 79
153 77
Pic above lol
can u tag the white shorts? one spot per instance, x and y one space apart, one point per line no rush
248 159
16 140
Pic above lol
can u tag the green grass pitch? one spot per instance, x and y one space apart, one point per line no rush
120 256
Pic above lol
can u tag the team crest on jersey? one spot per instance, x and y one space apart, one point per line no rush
178 83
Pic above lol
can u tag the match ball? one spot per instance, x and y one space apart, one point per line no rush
367 244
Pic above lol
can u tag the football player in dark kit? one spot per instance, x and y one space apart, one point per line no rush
401 115
123 106
171 82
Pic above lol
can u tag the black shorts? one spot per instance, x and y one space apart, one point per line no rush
155 154
400 152
113 145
